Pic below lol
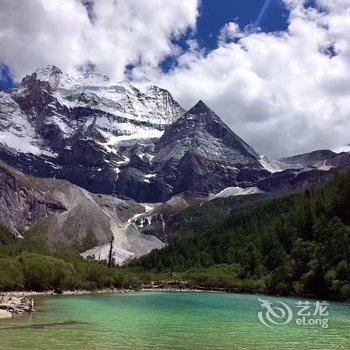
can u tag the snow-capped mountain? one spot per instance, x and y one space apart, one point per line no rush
112 138
137 142
303 170
55 125
106 136
92 106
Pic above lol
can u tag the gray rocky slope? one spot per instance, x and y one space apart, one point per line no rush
64 215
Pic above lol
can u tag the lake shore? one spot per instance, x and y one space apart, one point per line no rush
12 305
15 303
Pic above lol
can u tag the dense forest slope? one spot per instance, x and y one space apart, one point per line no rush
297 244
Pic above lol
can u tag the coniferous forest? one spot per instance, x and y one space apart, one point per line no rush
297 244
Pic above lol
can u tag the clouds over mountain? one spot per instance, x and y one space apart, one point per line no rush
284 92
109 34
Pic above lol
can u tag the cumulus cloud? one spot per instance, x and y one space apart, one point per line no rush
110 34
229 32
285 93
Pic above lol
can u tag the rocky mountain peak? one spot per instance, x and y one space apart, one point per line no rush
199 108
199 152
50 74
46 78
48 70
203 117
199 126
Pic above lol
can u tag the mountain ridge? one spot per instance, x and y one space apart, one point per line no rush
116 139
107 137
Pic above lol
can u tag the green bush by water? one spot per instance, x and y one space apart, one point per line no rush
27 267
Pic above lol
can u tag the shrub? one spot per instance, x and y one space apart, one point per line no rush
42 272
126 280
99 274
346 291
11 276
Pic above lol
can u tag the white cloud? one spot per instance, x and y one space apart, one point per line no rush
39 32
285 93
229 32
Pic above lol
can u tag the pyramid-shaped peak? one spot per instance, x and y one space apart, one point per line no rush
200 103
199 108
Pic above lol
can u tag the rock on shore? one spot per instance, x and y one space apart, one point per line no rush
11 305
5 314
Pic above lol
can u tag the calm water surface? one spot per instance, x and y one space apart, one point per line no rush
168 321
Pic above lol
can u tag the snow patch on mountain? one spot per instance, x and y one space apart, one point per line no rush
16 132
137 134
237 191
273 166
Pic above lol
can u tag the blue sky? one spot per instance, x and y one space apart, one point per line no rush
264 15
270 14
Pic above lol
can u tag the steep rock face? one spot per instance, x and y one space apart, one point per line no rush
21 202
64 215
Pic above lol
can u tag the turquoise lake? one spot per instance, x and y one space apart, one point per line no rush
159 320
